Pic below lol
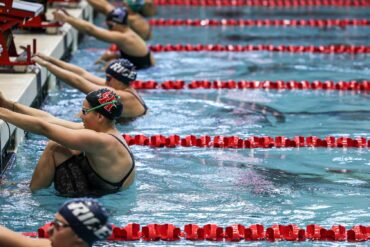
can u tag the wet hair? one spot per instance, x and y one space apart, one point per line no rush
122 70
135 5
112 108
87 218
118 15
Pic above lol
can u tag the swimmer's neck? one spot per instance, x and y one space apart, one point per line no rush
106 127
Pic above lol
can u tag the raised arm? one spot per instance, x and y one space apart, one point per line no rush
82 139
73 68
45 116
68 77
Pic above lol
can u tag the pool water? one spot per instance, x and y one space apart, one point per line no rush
227 186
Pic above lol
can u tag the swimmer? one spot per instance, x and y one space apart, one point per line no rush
89 158
136 21
131 46
119 76
69 227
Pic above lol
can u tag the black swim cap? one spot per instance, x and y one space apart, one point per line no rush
112 108
87 218
122 70
118 15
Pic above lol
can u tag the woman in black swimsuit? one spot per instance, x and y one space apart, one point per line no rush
82 159
130 44
119 76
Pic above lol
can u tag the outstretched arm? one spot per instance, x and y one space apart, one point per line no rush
68 77
89 28
10 238
45 116
84 140
73 68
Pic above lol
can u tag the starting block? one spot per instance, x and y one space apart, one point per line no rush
13 13
40 22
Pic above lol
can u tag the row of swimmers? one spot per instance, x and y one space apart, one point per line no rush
75 159
89 158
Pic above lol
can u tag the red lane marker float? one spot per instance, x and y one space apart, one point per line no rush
326 49
269 3
261 22
159 141
232 233
243 84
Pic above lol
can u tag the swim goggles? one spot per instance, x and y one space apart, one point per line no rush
85 111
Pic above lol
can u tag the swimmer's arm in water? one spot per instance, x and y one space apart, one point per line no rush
84 140
107 56
13 239
72 68
45 116
68 77
101 6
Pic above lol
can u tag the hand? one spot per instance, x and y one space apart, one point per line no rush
39 60
42 56
4 102
60 15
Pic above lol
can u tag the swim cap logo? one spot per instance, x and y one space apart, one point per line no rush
118 68
87 218
107 97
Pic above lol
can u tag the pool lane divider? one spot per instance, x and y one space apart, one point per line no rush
244 84
321 23
232 233
269 3
324 49
172 141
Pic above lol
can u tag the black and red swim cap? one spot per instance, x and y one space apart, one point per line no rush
111 106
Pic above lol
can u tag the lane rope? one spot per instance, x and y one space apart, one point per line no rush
244 84
269 3
261 22
325 49
232 233
206 141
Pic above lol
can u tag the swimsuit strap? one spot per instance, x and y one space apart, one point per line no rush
132 158
138 97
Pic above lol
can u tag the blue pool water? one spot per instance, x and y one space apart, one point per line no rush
193 185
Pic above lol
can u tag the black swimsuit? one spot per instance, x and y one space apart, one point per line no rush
126 120
139 62
140 100
75 177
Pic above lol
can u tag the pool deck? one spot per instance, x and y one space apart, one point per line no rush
29 88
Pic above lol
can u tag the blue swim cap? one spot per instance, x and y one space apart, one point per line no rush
118 15
87 218
135 5
106 102
122 70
